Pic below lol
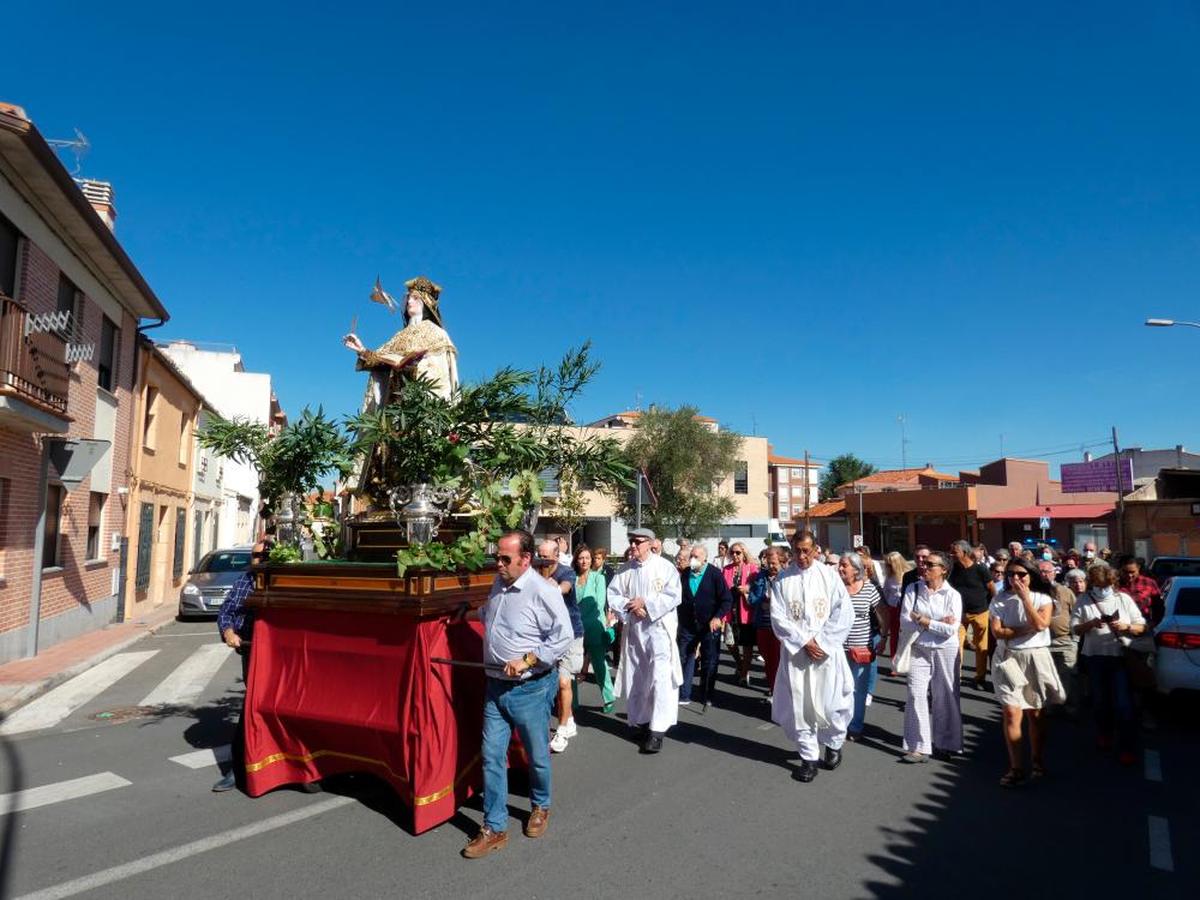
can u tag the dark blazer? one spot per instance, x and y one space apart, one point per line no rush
711 600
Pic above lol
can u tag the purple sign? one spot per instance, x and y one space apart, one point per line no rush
1098 475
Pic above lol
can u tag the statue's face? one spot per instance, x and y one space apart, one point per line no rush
414 306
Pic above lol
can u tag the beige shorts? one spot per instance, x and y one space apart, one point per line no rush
572 662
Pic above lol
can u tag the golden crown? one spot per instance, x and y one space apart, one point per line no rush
423 285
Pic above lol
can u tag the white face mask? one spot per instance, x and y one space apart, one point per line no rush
695 565
1089 554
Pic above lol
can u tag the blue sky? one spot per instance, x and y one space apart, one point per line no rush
804 220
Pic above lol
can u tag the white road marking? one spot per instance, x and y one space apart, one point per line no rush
175 854
202 759
51 708
32 798
1153 764
184 686
766 726
1160 844
212 633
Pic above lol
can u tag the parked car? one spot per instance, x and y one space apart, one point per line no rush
1167 567
210 581
1177 637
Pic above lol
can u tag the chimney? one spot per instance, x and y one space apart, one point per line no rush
100 195
1087 455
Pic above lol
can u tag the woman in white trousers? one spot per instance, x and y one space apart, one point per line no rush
933 610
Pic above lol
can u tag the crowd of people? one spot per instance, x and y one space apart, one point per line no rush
1046 627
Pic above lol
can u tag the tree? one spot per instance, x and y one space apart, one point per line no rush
841 470
684 461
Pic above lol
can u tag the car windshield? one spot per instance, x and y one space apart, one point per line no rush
226 561
1169 568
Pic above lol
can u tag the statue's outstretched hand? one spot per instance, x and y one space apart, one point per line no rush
352 341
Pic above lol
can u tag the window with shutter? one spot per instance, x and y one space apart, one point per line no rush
180 536
145 546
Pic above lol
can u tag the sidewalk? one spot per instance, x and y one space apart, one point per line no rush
24 679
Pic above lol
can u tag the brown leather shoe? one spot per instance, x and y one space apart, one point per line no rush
538 820
486 842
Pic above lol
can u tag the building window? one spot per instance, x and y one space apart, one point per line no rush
183 439
741 477
70 300
10 245
110 353
95 525
145 546
781 474
148 423
54 505
784 511
180 538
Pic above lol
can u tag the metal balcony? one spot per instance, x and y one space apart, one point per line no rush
33 372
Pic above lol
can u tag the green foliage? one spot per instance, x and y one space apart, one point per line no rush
842 470
488 442
684 461
292 462
284 553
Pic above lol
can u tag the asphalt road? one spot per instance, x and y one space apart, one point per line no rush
717 814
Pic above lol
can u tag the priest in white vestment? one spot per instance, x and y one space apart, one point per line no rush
644 595
811 614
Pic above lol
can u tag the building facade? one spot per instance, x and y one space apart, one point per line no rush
207 500
70 304
219 374
161 483
794 486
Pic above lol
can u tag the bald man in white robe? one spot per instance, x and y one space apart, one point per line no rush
811 614
644 595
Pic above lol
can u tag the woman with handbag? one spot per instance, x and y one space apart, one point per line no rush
859 644
737 577
1022 669
895 568
1107 621
930 614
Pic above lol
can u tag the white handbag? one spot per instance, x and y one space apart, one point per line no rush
902 658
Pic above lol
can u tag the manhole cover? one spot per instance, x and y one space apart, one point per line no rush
123 713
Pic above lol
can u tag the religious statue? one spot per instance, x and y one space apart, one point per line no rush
422 346
422 343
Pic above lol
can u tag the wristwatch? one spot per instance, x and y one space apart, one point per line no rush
529 659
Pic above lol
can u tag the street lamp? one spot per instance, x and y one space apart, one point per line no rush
1167 323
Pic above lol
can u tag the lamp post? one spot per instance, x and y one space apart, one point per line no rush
1167 323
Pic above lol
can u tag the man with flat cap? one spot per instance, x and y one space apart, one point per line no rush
644 595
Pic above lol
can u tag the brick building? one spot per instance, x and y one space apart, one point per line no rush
70 304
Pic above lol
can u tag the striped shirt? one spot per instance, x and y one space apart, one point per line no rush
864 602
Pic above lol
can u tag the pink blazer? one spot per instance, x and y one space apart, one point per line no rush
741 612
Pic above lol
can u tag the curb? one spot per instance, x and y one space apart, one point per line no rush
33 689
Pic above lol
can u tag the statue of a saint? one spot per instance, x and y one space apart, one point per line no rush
421 346
422 343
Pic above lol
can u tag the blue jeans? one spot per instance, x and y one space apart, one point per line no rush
710 656
522 705
873 677
1113 699
863 675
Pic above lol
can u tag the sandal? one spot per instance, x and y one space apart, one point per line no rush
1012 778
1038 771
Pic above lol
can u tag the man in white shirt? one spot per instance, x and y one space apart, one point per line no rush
644 595
811 614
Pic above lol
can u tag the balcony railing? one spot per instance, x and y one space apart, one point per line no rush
33 366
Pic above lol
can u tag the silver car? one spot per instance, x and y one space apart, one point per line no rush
211 580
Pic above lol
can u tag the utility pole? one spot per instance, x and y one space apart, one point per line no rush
638 524
1120 493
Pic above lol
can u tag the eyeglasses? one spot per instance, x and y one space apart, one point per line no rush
933 565
503 559
638 540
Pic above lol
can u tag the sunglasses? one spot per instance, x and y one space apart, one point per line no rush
737 552
636 541
505 559
1017 573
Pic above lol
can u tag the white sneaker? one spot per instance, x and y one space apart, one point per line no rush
558 743
685 702
567 729
869 699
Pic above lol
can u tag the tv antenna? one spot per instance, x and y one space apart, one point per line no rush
904 442
79 147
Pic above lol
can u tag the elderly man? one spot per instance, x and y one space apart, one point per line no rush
974 584
1063 649
644 595
526 630
811 614
571 664
705 604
